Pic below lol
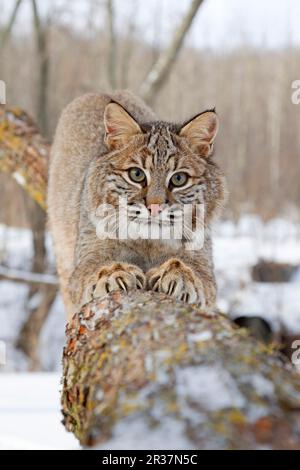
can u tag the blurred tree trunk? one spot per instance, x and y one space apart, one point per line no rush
160 71
24 154
40 298
126 56
112 49
28 339
7 30
274 132
41 32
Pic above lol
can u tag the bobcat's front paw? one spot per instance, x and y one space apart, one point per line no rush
118 277
177 280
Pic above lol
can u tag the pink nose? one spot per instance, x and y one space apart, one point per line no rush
155 209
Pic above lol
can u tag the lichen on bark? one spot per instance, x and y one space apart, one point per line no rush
146 362
24 152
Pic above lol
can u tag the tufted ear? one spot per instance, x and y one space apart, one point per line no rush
201 132
119 126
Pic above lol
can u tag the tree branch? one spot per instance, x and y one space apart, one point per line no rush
41 32
7 31
16 275
160 71
111 68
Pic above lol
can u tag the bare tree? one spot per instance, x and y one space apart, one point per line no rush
128 47
32 175
112 49
41 33
7 30
159 73
274 129
40 298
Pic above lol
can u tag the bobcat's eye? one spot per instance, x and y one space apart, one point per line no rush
137 175
179 179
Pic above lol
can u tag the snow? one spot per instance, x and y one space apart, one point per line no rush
30 412
203 336
237 247
134 434
29 402
209 386
262 385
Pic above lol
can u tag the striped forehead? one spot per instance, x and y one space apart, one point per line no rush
161 144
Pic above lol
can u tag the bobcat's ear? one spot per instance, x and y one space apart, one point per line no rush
201 132
119 126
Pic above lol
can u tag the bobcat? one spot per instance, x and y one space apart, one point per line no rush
112 146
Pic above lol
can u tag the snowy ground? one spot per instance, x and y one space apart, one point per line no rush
237 248
30 417
34 398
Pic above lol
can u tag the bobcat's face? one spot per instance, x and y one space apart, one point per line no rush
160 169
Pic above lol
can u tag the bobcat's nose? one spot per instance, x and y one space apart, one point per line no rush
154 209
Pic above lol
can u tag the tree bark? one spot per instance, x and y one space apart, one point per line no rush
160 71
24 153
28 338
112 47
144 371
7 30
41 32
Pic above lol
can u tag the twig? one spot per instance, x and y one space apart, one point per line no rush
17 275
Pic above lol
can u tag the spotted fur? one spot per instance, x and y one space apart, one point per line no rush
98 139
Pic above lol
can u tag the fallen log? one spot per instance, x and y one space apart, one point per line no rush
144 371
